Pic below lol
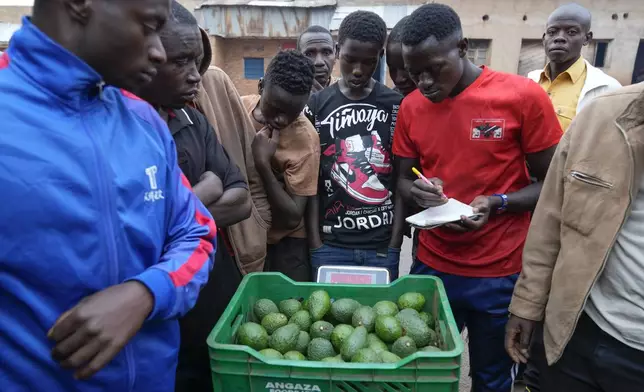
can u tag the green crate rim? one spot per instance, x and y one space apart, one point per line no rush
451 324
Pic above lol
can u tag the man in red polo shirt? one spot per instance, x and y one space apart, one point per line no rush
472 129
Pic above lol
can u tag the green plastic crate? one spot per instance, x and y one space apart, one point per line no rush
239 368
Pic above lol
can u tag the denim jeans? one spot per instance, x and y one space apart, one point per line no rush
331 255
481 305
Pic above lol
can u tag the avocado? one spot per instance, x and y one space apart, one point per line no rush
321 329
253 335
319 304
319 349
294 356
336 359
414 301
416 329
404 347
271 354
407 313
355 341
284 339
388 328
372 338
274 321
330 319
343 309
263 308
340 333
364 316
385 308
428 319
431 349
303 341
378 346
302 319
387 357
289 307
366 355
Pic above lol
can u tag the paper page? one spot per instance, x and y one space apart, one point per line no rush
436 216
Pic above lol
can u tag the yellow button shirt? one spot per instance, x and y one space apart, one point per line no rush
565 90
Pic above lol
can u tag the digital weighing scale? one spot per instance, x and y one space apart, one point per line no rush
352 275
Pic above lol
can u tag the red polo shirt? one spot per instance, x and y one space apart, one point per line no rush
477 144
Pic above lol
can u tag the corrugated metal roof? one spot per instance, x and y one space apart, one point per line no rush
390 13
7 30
270 3
261 22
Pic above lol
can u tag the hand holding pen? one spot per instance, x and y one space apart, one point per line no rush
427 192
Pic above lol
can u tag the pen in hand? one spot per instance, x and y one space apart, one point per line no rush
427 180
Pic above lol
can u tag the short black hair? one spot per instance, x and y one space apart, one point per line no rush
180 15
313 29
431 20
363 26
395 36
292 71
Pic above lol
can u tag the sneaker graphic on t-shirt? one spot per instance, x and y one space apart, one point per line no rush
377 155
353 171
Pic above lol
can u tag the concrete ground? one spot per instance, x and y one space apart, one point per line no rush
405 266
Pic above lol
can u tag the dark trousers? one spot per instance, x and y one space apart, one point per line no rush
290 256
594 361
481 304
193 370
537 362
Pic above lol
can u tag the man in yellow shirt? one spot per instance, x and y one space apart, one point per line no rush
569 79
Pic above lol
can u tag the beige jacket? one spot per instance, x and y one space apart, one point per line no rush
586 197
219 101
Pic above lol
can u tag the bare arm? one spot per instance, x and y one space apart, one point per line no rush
232 207
313 222
209 189
287 209
227 207
526 199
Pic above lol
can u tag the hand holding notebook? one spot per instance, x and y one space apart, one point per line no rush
437 216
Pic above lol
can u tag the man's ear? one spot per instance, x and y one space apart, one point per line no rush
79 10
462 45
337 51
588 38
260 86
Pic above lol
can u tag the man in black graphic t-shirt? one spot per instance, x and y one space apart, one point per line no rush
350 222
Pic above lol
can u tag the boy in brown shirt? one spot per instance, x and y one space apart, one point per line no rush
286 150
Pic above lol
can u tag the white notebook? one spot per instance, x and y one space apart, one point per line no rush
438 216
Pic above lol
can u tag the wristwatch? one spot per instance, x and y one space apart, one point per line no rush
504 202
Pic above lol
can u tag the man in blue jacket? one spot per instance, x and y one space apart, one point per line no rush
103 243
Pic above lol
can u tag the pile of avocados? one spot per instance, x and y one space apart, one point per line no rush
342 330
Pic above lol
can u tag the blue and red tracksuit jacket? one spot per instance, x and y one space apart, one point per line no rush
90 196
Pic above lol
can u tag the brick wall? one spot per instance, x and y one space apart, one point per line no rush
229 54
13 14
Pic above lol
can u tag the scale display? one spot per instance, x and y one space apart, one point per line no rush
352 275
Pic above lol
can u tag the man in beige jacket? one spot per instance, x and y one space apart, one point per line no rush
583 262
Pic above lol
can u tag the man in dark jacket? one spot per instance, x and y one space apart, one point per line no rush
104 244
216 180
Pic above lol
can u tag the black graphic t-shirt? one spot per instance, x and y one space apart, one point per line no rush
356 204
